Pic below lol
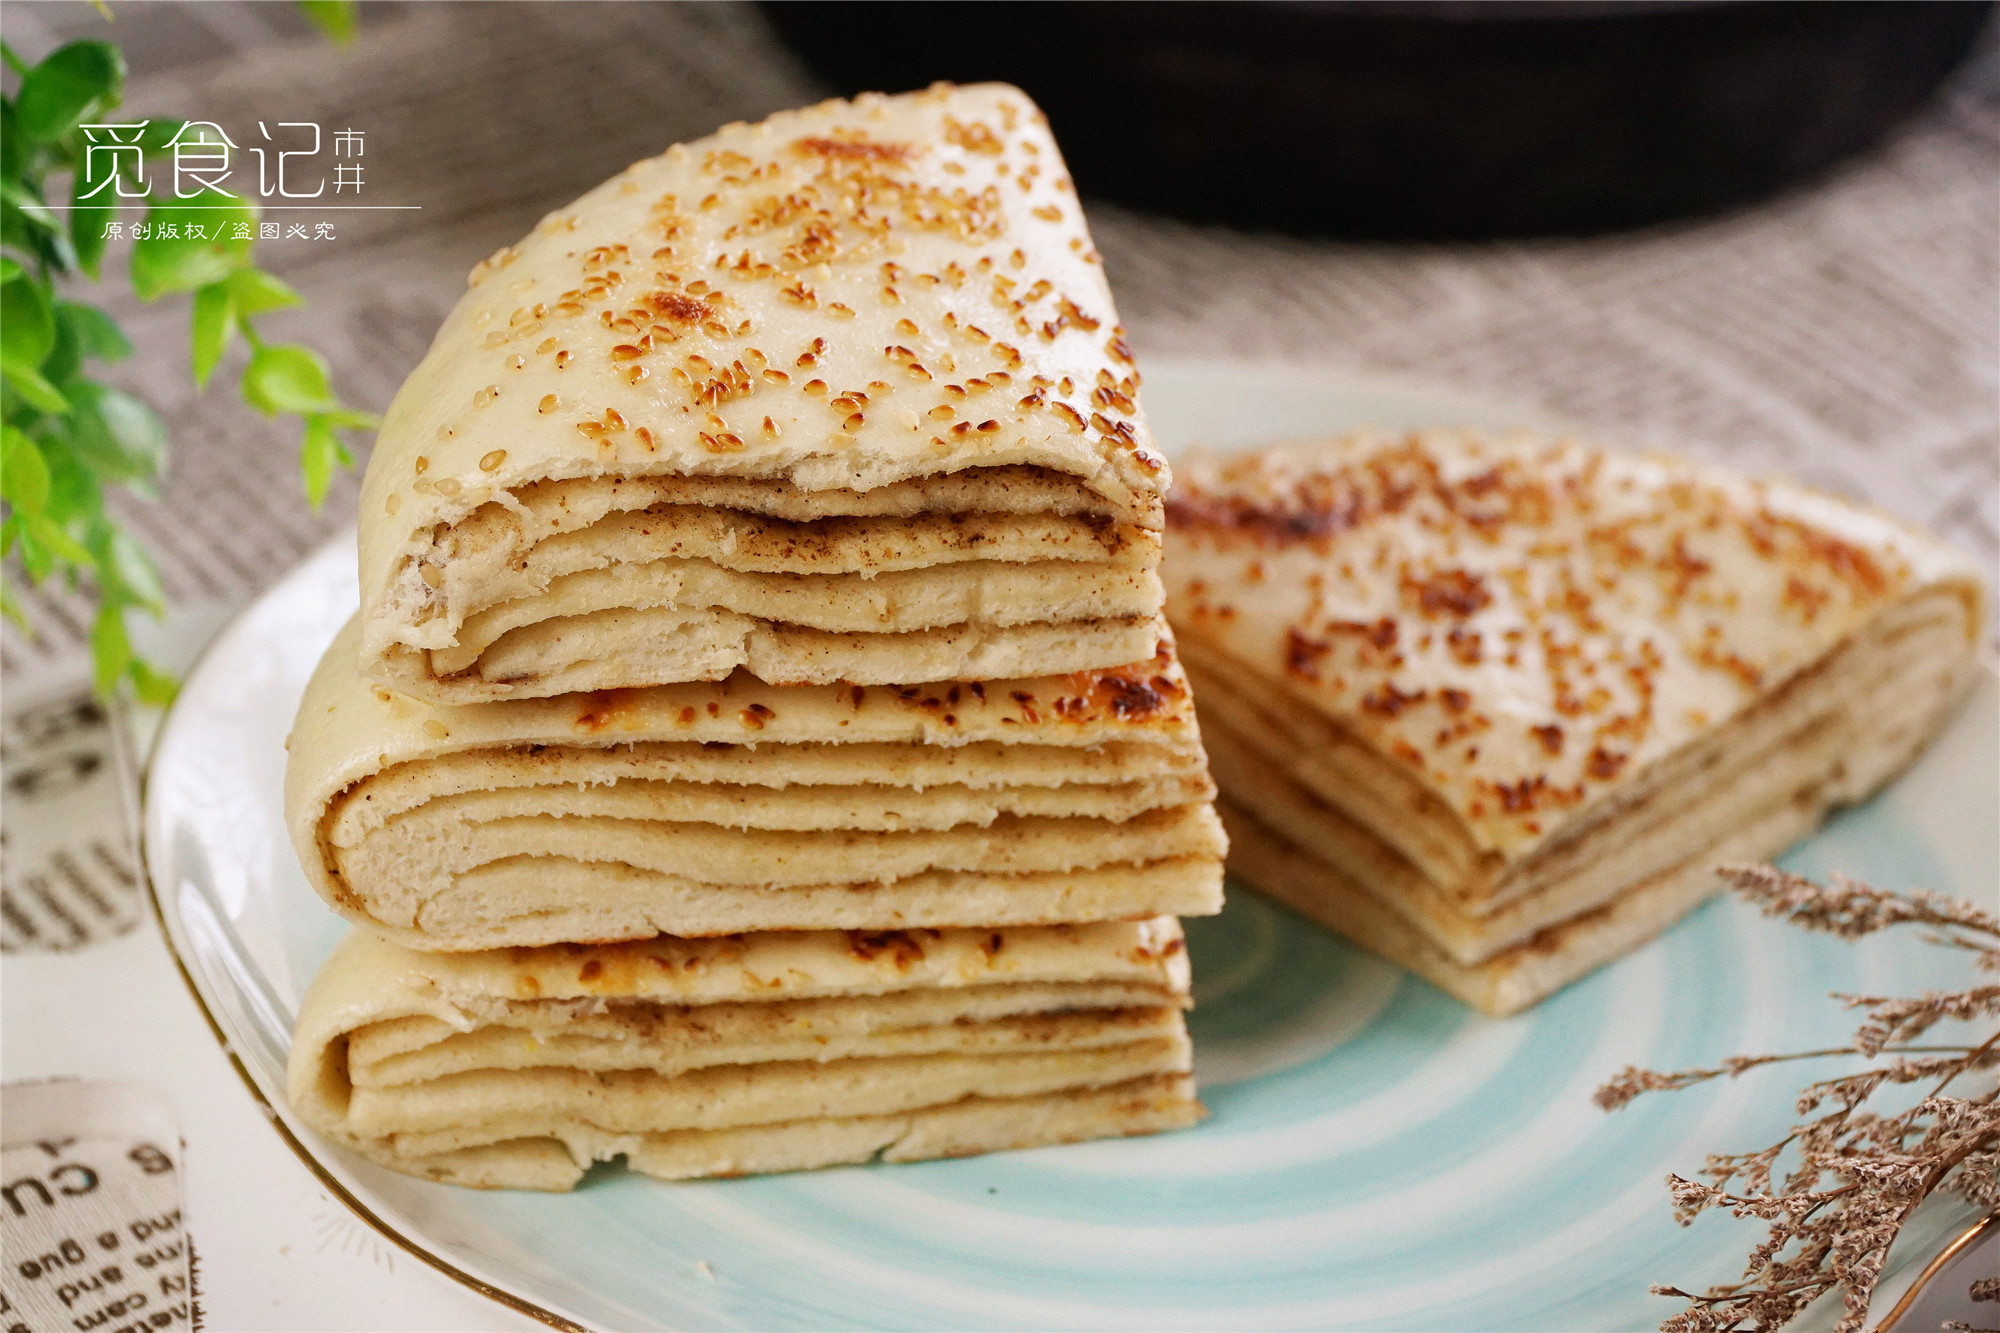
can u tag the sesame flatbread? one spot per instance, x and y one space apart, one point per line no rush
1498 686
716 808
863 343
519 1068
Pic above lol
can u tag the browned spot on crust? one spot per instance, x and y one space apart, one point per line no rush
1604 764
604 709
903 947
1303 655
1449 592
679 307
1550 736
1385 700
1129 693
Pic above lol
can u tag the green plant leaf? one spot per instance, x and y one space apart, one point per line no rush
27 223
346 418
97 334
179 263
86 227
256 291
37 392
24 473
124 569
155 688
36 559
213 325
64 360
10 270
57 93
52 537
115 434
284 377
75 492
336 19
319 453
27 323
23 201
110 648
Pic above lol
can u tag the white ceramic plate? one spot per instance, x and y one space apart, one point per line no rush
1378 1156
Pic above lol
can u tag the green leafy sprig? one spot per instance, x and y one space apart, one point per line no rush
65 437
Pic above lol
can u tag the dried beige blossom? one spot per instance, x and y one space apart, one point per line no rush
1846 1178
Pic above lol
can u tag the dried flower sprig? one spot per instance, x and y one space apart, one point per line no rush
1850 1178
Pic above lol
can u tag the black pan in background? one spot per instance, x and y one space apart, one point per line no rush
1421 121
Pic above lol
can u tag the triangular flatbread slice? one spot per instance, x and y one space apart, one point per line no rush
839 395
519 1068
715 808
1521 694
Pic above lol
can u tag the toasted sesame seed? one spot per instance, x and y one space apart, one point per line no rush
447 487
432 575
435 729
423 464
942 412
988 427
562 359
907 326
548 404
493 460
614 419
771 428
815 386
486 395
393 503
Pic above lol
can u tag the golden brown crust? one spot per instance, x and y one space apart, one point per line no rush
1523 624
837 299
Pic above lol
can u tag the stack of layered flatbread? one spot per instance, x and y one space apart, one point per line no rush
760 746
1496 708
